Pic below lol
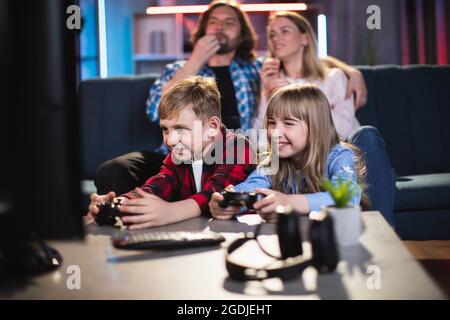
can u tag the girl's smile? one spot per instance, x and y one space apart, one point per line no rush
289 134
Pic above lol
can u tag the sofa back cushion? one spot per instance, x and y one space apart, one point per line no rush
113 119
409 105
411 108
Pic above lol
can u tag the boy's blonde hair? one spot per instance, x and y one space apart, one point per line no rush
309 104
198 93
313 67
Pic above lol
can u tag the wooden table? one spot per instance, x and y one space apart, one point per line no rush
109 273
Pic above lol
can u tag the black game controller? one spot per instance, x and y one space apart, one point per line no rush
109 212
240 199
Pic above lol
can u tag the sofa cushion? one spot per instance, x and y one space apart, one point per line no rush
410 107
423 192
423 225
113 120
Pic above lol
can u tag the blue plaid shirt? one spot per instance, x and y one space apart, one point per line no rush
245 77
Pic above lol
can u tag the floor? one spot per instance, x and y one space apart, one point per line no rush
434 256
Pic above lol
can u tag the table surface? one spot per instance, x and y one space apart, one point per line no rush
200 273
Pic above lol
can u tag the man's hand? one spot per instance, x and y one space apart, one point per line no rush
96 200
356 85
146 211
205 48
221 213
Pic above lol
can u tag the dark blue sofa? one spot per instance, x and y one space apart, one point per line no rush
409 105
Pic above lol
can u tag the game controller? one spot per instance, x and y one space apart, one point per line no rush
109 212
240 199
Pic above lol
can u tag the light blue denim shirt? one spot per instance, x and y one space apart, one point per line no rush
340 166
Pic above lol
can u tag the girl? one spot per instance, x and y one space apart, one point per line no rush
300 126
292 43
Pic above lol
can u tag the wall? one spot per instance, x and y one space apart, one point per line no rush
349 38
119 33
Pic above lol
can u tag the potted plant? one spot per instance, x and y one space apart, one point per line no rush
347 217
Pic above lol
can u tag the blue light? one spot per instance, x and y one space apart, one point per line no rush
322 35
102 39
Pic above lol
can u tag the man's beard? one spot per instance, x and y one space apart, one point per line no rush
226 46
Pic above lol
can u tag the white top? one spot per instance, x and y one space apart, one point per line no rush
334 88
197 166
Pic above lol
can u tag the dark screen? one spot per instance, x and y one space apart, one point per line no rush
40 170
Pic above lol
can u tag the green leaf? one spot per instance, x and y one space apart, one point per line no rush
341 192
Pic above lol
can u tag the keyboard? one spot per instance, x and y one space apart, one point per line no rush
168 240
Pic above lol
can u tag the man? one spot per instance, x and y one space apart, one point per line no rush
223 48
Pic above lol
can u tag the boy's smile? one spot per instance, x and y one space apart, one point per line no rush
184 135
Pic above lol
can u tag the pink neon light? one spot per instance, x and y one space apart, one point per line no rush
254 7
176 9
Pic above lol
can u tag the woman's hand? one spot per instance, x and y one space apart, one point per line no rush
275 85
269 72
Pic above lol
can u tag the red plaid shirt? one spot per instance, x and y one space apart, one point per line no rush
176 182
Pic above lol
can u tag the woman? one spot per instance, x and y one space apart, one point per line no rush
292 44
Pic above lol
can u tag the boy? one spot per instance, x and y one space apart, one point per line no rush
190 121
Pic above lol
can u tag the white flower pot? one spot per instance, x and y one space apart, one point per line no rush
347 224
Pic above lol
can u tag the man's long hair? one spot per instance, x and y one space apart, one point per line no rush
245 51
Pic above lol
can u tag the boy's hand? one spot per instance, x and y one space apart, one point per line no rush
96 200
222 213
267 206
146 211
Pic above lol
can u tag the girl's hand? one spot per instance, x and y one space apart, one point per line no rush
230 188
221 213
267 206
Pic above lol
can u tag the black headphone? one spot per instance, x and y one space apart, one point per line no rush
291 263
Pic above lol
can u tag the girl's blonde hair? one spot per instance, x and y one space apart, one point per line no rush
313 67
308 103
